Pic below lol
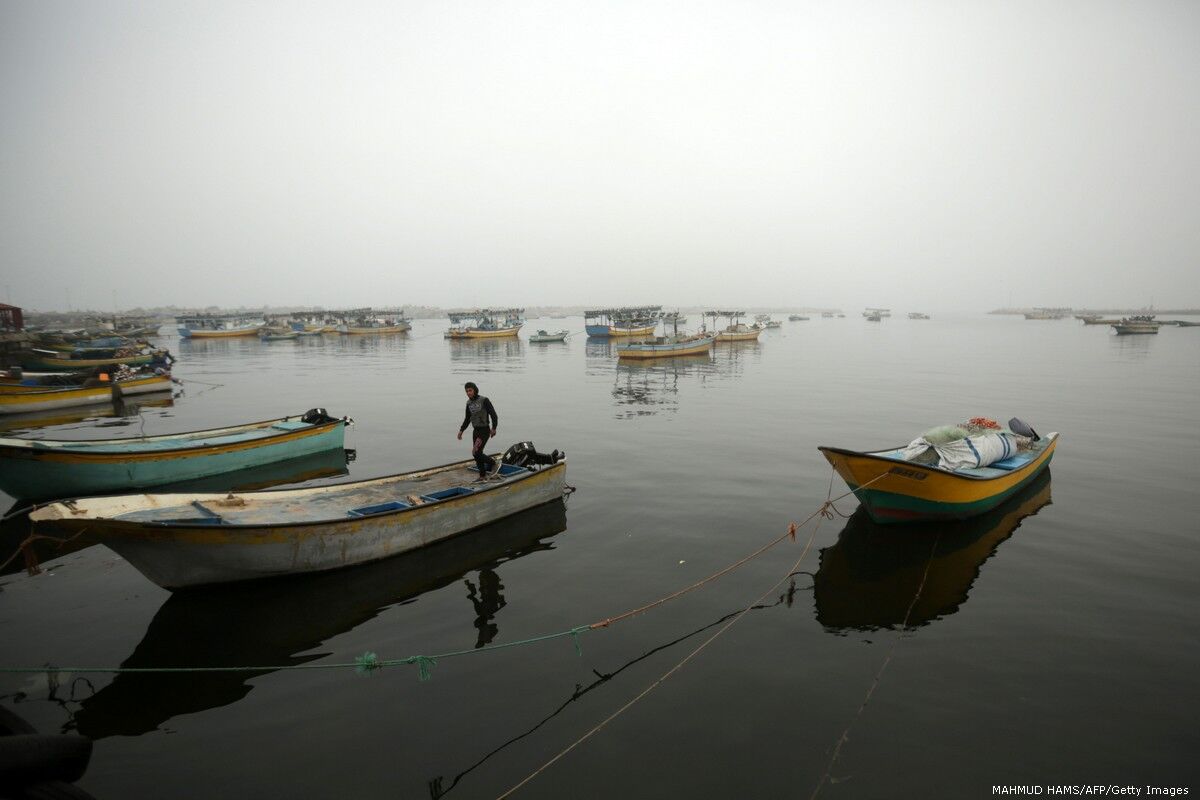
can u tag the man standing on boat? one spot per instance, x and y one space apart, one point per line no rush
479 412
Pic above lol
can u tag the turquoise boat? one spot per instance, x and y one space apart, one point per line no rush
35 469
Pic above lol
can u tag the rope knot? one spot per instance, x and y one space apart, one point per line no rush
424 665
827 509
575 638
367 662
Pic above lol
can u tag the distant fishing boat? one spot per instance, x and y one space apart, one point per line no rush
621 322
735 331
186 539
37 468
24 400
917 315
1047 313
486 323
877 312
369 321
543 336
1139 323
668 345
1098 321
801 318
874 317
894 489
218 326
277 334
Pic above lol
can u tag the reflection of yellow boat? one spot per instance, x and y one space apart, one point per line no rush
48 419
225 626
895 490
869 578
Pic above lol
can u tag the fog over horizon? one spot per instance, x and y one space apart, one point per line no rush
912 155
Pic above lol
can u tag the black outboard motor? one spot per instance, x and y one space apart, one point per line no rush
524 454
317 416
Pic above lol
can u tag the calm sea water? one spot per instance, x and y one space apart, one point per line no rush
1055 641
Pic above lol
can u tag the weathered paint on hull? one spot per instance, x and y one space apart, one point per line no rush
47 399
478 334
73 364
40 474
910 492
647 351
179 557
616 332
200 333
737 336
350 330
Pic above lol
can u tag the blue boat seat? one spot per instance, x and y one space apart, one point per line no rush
1012 462
445 494
379 508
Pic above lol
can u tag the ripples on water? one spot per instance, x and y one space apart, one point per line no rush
1053 642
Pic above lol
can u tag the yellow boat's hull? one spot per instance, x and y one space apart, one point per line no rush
738 336
219 334
901 491
651 351
49 398
481 334
355 331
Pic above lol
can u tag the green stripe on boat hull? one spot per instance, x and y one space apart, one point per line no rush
888 507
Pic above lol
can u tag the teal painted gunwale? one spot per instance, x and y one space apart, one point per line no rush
33 479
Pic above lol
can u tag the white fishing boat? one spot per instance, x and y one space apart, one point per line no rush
188 539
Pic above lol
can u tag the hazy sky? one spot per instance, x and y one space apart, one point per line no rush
916 155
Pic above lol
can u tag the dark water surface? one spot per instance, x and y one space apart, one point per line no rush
1054 641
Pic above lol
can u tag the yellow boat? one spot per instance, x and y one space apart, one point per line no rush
487 323
622 322
50 398
218 326
735 331
895 490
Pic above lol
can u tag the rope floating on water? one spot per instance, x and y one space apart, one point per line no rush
369 662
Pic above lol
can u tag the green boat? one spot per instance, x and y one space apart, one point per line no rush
35 469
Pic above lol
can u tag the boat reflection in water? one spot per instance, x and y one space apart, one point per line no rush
497 353
650 386
867 580
273 622
303 471
119 413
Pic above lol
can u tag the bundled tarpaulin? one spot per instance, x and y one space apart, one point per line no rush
969 451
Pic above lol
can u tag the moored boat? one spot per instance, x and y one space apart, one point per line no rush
545 336
218 326
735 331
802 318
24 400
486 323
1138 323
917 315
625 321
277 334
55 361
187 539
895 489
368 321
37 468
668 345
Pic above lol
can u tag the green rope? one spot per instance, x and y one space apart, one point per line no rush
364 664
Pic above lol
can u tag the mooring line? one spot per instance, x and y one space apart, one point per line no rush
369 661
837 750
675 668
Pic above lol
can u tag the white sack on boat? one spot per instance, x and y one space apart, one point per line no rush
972 451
